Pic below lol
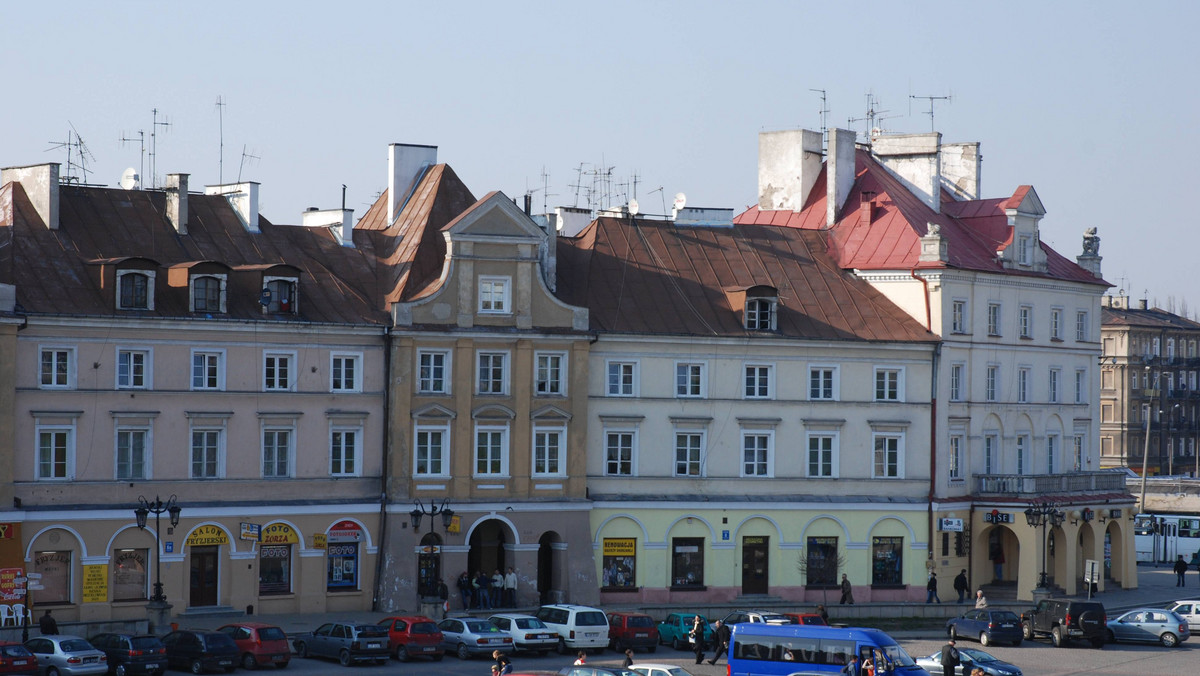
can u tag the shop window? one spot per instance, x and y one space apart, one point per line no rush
687 563
275 569
343 567
887 561
129 575
55 569
620 563
821 562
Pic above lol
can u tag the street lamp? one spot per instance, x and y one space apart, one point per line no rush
419 510
157 507
1043 513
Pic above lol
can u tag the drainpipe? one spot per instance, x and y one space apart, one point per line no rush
924 283
933 437
387 467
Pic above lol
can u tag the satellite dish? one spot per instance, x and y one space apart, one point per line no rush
130 180
680 201
633 207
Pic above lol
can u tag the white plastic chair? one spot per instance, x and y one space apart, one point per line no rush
21 614
6 615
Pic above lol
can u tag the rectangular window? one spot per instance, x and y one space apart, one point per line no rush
1081 327
689 379
492 373
887 561
1025 321
992 384
1022 443
432 369
56 453
206 294
1077 453
494 295
687 562
956 458
990 442
55 571
1025 250
958 316
688 449
548 453
430 447
1053 396
758 381
132 366
1056 324
491 451
1051 453
1023 385
760 314
343 452
342 561
134 290
888 384
621 378
620 563
277 371
208 370
822 383
756 454
619 454
131 453
887 460
821 452
1080 386
55 367
344 373
276 452
550 375
274 569
821 562
993 319
206 453
956 372
129 574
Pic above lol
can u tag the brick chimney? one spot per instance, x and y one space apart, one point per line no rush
177 202
41 187
915 160
839 172
406 165
788 165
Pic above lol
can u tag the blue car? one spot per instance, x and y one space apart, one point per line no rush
986 626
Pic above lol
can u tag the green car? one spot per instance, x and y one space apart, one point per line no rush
675 629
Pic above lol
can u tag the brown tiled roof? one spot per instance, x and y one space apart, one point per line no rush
1152 318
652 277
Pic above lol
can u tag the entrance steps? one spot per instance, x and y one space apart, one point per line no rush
212 611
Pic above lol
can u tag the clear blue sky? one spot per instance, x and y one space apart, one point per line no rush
1093 103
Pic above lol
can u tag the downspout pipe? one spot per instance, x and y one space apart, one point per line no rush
386 474
933 440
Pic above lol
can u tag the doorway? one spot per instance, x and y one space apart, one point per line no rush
204 574
754 564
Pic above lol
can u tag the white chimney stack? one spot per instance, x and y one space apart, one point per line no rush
839 172
788 165
177 202
41 187
243 197
339 221
915 160
406 165
961 163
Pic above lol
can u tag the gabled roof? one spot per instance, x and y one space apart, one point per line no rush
1152 318
887 237
652 277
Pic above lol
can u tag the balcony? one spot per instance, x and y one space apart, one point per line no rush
1034 485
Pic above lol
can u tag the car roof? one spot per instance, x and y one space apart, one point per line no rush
409 618
627 612
514 616
252 625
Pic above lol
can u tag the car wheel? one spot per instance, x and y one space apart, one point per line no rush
301 649
402 653
984 639
953 631
248 661
1057 638
463 653
1027 631
344 658
1098 643
562 647
197 667
119 670
52 672
676 643
1169 640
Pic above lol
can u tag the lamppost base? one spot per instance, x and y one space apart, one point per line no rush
431 607
159 615
1040 593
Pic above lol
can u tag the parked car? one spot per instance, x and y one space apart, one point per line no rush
971 659
578 627
631 630
1188 610
674 630
16 659
806 618
67 655
131 653
346 642
1063 620
200 651
764 616
1149 625
413 636
589 670
986 625
467 637
527 632
654 669
261 645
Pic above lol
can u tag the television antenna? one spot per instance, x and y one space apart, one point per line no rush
77 155
931 99
252 158
154 125
824 112
873 115
545 189
662 195
141 141
221 130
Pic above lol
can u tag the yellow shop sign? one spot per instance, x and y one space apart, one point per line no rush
207 535
279 534
619 546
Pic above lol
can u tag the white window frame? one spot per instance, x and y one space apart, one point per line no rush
1023 385
956 381
898 371
446 356
955 456
69 461
555 385
768 462
219 355
289 451
147 355
1024 249
1080 386
207 428
442 450
1077 453
991 446
758 380
223 280
991 383
835 384
1052 450
1056 314
1021 455
505 370
1082 330
1025 321
835 440
150 276
754 310
1054 386
147 445
488 295
58 352
620 388
491 428
290 365
995 318
689 371
561 459
337 383
355 449
958 315
898 437
609 432
701 453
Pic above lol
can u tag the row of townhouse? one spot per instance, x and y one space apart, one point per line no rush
621 409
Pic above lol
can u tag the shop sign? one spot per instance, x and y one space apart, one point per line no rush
951 525
9 585
279 534
319 540
249 531
95 583
996 516
619 546
7 531
207 535
345 531
753 540
455 524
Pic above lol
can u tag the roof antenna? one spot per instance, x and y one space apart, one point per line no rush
824 112
246 156
931 99
221 127
141 140
154 125
872 116
74 145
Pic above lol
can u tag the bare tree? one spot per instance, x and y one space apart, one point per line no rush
821 570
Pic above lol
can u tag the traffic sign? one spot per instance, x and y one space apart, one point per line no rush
18 580
33 576
34 586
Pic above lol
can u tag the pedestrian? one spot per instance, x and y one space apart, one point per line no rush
721 636
48 624
464 588
847 591
851 668
931 594
582 658
497 589
696 636
950 658
997 557
510 588
503 664
1180 568
628 658
482 599
868 667
980 599
823 613
962 586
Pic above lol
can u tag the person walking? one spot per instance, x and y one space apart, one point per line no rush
823 613
962 586
980 599
847 591
721 635
628 662
950 658
510 588
696 636
851 668
47 624
464 589
503 664
582 658
931 593
1180 568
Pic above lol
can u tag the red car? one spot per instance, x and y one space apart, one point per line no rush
16 659
412 636
260 645
804 618
632 630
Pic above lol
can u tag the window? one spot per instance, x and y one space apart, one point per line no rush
689 379
277 452
822 383
620 563
1056 324
619 454
277 371
888 462
550 375
280 296
1023 385
131 453
55 571
432 368
342 561
687 562
621 378
132 369
274 568
992 384
548 450
821 562
343 451
56 453
57 367
492 373
1024 250
756 454
956 458
689 447
494 295
1025 321
956 371
1022 460
1157 342
887 561
1077 453
760 314
1171 348
1053 395
758 381
206 453
208 294
491 450
822 450
889 383
129 574
133 290
990 442
208 370
1051 453
958 316
430 446
1081 328
1080 386
993 319
344 372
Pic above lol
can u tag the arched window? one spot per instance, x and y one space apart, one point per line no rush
134 291
206 294
282 296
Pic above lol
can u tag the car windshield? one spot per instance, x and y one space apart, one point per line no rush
641 621
271 634
74 645
370 631
481 627
423 628
897 655
1004 616
529 623
219 641
590 618
14 651
978 655
145 642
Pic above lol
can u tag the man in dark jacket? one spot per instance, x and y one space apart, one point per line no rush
48 625
962 586
721 635
1180 569
950 658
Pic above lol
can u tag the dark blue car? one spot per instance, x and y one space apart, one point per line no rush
986 626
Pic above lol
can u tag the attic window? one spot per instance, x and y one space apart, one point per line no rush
760 314
279 295
1025 250
134 289
207 293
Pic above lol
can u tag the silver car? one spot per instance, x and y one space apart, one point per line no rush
527 632
1188 610
1149 625
469 636
67 655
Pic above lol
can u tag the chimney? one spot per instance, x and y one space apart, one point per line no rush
1142 303
839 172
961 163
915 160
339 221
41 187
570 221
406 164
243 197
788 164
177 198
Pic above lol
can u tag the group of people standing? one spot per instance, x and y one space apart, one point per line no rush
483 592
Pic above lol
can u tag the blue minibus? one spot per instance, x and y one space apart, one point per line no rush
772 650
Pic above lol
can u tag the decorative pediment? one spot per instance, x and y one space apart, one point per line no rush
493 412
433 411
550 413
494 216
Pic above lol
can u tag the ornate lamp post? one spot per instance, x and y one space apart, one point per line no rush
158 605
1043 513
429 588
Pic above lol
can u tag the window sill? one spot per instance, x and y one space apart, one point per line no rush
889 586
1026 337
1056 340
620 590
277 595
343 592
693 588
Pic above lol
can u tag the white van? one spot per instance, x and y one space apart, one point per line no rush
578 627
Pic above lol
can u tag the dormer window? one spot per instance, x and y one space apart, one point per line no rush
208 293
279 295
1025 250
134 290
494 295
760 314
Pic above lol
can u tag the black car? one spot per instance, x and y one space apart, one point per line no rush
1064 619
987 625
200 651
132 653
